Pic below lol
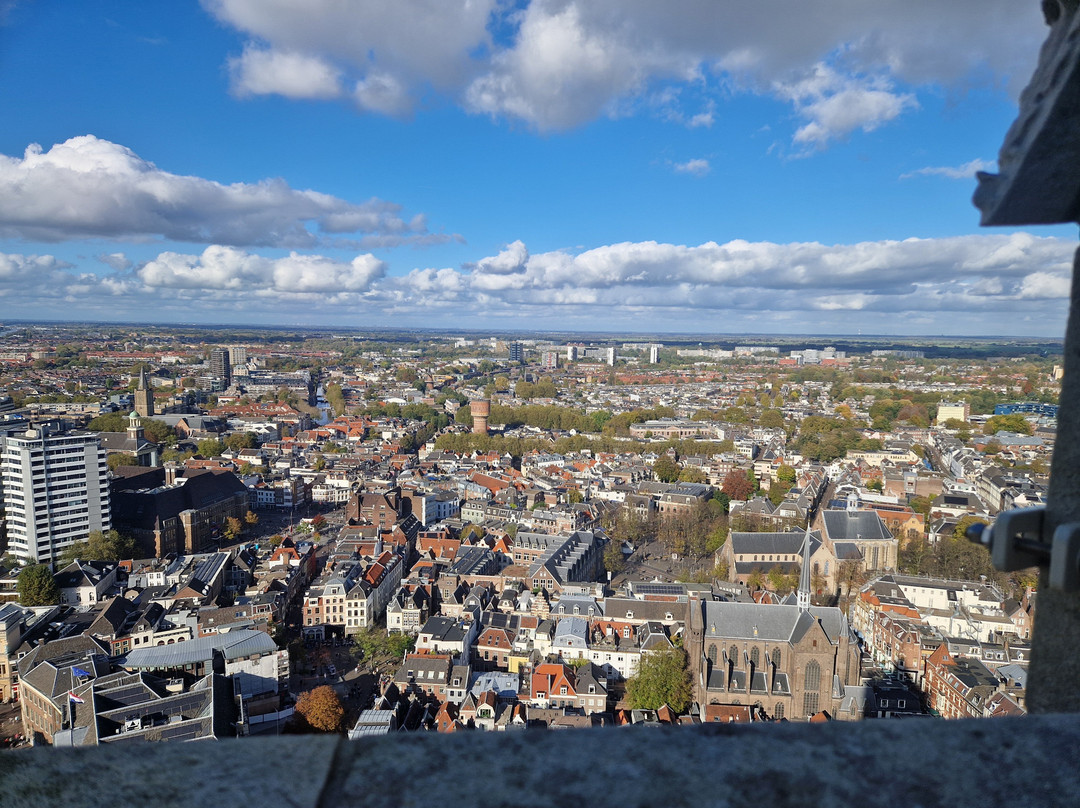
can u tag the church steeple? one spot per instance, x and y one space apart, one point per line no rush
804 574
144 396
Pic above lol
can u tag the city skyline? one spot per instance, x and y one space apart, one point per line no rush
536 165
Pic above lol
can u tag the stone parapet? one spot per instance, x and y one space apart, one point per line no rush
995 762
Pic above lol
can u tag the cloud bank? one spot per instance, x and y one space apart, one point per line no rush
1003 284
553 64
88 187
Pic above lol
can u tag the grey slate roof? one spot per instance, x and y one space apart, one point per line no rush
773 543
234 645
850 525
776 623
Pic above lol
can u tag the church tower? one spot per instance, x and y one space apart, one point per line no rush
144 396
804 575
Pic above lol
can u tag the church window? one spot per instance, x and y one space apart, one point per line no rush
755 656
812 680
776 657
734 655
810 703
778 711
712 654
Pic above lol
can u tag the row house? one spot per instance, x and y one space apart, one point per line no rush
410 608
367 601
957 686
554 685
425 676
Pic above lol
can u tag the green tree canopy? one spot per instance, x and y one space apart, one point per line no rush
100 546
241 440
662 678
210 447
118 459
665 469
1009 423
36 586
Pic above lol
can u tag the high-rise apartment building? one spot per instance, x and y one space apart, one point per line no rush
220 368
549 360
55 490
238 360
517 352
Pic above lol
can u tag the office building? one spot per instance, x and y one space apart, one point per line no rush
56 490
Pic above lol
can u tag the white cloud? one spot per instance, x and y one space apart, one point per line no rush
997 283
962 172
698 167
373 45
836 105
227 268
962 274
294 75
87 187
559 63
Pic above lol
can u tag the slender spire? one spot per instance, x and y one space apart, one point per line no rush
804 573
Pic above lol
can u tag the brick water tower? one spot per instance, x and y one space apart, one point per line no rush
480 411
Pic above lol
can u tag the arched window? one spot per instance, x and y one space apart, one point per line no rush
776 657
712 654
810 703
733 655
812 680
778 711
755 656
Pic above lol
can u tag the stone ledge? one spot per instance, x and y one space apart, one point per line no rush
913 763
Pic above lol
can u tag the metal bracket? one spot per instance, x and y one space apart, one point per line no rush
1016 540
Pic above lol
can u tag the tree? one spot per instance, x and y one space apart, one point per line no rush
874 485
335 397
119 459
233 528
614 562
210 447
666 470
756 579
573 496
785 473
1008 423
99 546
241 440
36 586
776 578
251 518
470 531
692 475
321 708
737 485
771 419
662 678
318 522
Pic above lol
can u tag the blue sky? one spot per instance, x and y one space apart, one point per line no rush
685 166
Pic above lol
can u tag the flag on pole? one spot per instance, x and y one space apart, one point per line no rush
80 672
73 698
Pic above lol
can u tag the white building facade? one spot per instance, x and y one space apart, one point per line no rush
55 491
